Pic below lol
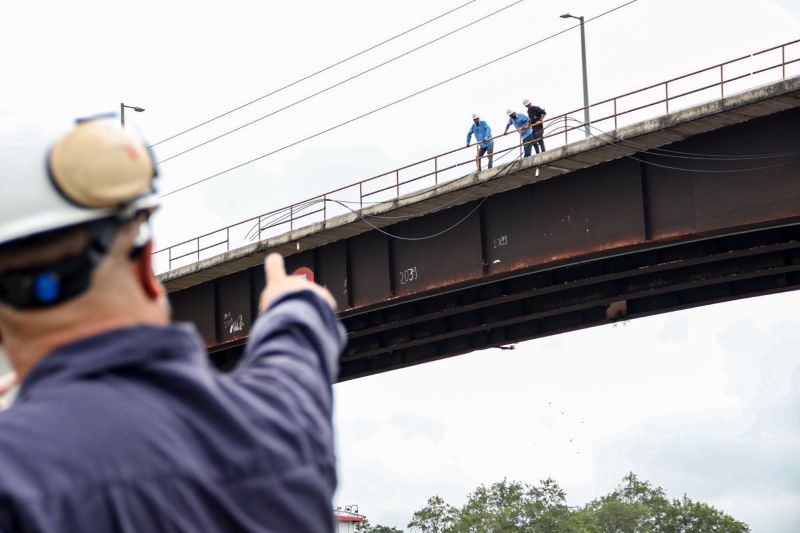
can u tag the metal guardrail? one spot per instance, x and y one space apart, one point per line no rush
440 168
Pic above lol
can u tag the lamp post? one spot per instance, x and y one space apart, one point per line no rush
585 81
122 111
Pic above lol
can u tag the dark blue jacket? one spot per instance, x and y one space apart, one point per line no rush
131 430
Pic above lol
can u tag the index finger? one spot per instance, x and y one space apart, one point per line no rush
274 268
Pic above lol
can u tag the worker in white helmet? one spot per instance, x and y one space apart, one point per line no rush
521 123
536 115
483 135
120 423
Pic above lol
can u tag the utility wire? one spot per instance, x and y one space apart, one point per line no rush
342 82
309 76
385 106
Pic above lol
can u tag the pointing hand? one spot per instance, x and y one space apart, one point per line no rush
278 284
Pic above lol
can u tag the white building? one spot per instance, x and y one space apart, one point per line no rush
347 518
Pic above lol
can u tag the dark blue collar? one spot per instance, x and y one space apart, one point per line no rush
124 347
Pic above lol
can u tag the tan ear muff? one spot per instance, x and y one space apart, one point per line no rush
99 164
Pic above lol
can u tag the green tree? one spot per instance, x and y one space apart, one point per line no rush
635 506
365 527
686 516
436 517
503 506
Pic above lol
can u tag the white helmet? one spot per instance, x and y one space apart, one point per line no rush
55 177
526 102
474 116
509 112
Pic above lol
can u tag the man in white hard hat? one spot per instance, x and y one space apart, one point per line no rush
536 116
523 125
483 135
120 423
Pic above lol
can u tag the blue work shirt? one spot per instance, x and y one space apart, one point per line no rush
132 430
482 131
522 119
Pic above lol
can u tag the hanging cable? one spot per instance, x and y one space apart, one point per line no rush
338 84
437 234
680 169
395 102
309 76
288 212
302 206
663 152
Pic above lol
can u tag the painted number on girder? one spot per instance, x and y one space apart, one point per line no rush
408 275
501 241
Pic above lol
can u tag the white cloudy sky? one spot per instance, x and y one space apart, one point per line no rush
702 401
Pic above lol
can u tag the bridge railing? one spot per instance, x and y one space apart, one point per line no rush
710 83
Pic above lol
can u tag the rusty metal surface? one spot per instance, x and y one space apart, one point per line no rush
196 305
567 298
300 260
685 203
369 280
234 306
454 256
332 271
592 209
259 281
582 249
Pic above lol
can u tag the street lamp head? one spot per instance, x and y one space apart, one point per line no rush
566 16
122 107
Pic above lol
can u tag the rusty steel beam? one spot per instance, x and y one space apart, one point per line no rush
412 313
598 295
621 239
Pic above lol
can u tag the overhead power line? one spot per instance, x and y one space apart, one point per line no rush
395 102
340 83
309 76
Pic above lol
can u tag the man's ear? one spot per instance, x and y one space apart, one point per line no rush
144 266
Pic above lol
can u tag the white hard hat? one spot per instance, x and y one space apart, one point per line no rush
526 102
55 174
509 112
474 116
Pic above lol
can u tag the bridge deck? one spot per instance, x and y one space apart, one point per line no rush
595 237
654 133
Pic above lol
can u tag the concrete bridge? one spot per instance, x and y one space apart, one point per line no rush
648 219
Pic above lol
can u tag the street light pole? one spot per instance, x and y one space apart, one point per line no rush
122 107
585 78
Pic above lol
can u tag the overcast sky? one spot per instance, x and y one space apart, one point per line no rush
704 402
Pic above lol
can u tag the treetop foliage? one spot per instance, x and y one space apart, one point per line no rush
634 506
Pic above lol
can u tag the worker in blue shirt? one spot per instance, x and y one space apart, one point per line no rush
483 134
120 422
521 122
